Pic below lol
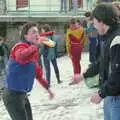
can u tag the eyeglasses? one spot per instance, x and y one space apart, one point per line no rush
35 31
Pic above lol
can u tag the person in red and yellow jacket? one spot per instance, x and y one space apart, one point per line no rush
75 39
21 71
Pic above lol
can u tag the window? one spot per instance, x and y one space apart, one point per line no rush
21 3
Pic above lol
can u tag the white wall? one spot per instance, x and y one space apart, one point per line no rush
44 5
11 4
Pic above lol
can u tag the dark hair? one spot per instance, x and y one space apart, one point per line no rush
79 21
25 29
72 21
87 14
106 13
46 27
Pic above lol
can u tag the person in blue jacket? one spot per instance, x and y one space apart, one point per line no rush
22 69
49 55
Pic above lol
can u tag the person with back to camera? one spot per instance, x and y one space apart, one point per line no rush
22 69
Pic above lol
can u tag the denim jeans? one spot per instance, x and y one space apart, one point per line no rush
48 69
112 108
63 5
89 4
17 105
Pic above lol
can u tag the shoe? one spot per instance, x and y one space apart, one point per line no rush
59 82
74 82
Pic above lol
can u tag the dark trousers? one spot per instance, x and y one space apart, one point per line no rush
17 105
63 5
48 69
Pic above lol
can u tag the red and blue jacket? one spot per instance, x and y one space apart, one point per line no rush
23 67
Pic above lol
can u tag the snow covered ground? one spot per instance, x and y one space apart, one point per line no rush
70 102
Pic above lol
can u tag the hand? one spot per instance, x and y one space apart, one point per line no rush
96 99
49 43
51 95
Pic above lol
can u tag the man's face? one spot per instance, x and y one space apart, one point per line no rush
99 26
32 34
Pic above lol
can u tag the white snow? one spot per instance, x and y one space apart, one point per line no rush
70 102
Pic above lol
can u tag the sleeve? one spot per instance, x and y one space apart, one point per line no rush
92 70
67 42
47 33
23 54
112 85
39 76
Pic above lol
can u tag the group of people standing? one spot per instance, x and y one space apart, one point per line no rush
106 20
105 57
73 5
23 65
70 5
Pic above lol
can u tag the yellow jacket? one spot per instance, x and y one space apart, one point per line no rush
77 33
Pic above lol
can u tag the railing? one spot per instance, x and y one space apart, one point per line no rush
36 8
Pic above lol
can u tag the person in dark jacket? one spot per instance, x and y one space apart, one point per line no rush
108 65
92 34
50 55
3 54
22 69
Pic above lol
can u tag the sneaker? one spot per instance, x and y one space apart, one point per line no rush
74 82
59 82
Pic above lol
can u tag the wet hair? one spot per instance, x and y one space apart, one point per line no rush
46 27
105 13
25 29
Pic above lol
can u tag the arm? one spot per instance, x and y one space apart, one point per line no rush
39 76
92 70
42 81
22 52
47 33
67 42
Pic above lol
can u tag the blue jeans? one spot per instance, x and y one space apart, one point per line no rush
63 5
17 105
48 69
89 4
112 108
